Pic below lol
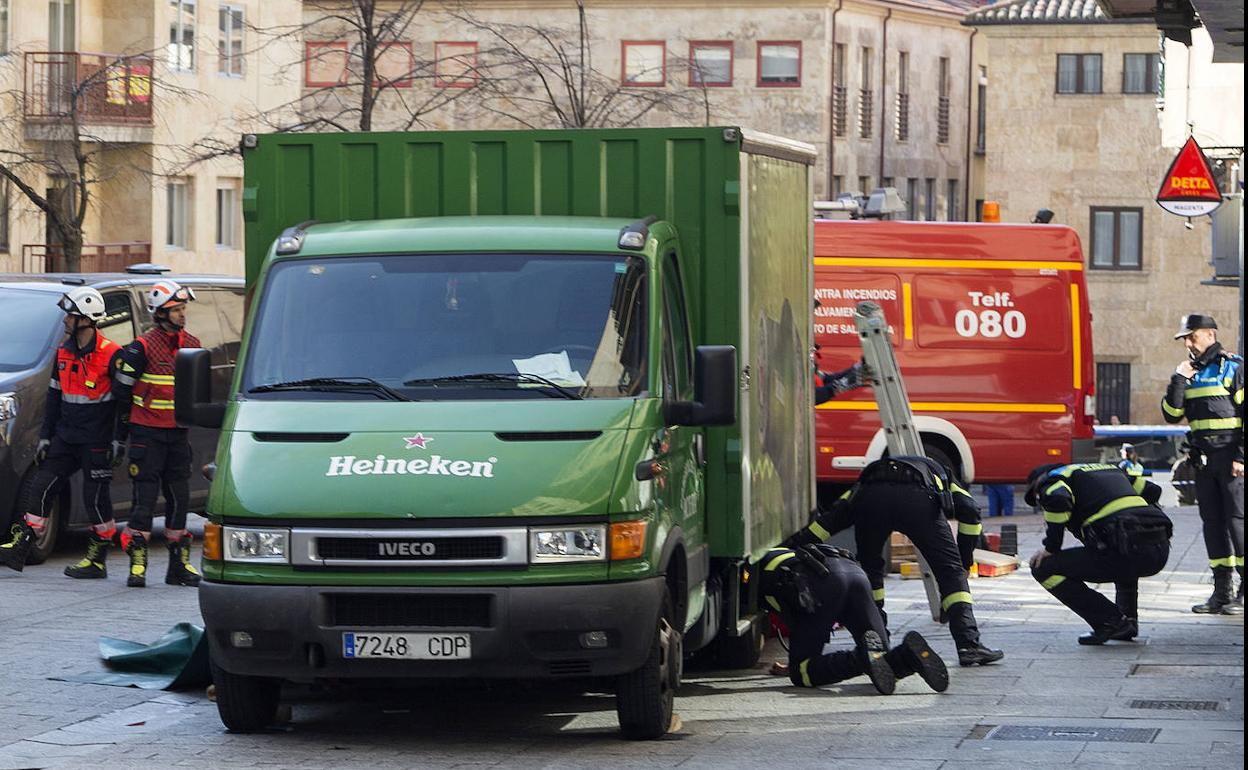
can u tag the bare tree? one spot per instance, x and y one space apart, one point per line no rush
541 75
61 128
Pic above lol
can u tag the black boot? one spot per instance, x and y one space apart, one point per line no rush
137 549
1221 595
978 655
180 571
13 553
1121 629
915 656
94 564
871 653
1236 606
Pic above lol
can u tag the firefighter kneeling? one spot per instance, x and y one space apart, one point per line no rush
816 587
1125 537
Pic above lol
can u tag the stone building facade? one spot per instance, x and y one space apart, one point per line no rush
1074 125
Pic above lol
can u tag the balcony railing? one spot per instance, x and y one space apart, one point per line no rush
96 257
942 120
865 112
903 117
95 88
840 109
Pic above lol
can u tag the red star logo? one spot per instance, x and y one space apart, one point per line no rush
419 441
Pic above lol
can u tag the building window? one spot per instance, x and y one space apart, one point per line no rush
230 41
325 64
780 64
929 200
710 63
840 93
395 62
228 211
901 127
942 102
1117 234
866 94
454 64
838 186
177 213
1141 73
951 201
979 209
4 27
644 62
886 181
912 198
4 214
981 113
864 185
182 35
1113 393
1078 73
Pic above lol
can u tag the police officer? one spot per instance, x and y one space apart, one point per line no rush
1130 463
1125 537
913 496
160 454
816 587
77 434
1208 389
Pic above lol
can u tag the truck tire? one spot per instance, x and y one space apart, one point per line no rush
736 652
644 698
944 459
246 704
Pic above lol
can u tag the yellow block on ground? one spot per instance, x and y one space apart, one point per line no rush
993 564
910 570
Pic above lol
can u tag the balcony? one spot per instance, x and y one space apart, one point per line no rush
109 96
96 257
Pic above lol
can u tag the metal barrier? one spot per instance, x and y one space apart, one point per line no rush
96 257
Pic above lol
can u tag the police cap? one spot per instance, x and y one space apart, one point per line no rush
1191 323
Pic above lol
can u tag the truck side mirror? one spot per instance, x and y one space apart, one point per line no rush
714 389
192 390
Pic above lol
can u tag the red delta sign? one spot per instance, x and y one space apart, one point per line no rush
1189 189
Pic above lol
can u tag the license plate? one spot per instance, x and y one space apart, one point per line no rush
407 646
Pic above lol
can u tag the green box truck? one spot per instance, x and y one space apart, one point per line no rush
518 404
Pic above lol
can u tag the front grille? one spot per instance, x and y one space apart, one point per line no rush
409 548
569 667
409 610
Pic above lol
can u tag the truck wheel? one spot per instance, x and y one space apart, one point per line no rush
45 543
644 698
939 456
246 704
743 651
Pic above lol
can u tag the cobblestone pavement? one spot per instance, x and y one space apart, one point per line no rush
1051 703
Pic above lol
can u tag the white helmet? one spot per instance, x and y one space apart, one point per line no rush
83 301
165 293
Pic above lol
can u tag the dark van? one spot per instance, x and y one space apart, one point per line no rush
30 330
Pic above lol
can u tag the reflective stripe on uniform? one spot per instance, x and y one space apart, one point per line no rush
957 597
156 403
1209 391
774 604
124 379
1138 483
970 529
74 398
953 485
804 668
940 485
1239 561
1217 423
55 384
1239 396
157 379
776 562
1173 411
1052 581
1229 561
877 594
1056 517
818 531
1113 506
1059 485
845 494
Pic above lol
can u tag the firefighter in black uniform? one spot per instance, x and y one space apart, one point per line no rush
829 385
814 588
1125 537
77 434
913 496
1208 389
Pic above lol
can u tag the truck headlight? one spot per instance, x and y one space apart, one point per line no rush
568 544
257 545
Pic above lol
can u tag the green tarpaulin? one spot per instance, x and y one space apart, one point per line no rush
176 661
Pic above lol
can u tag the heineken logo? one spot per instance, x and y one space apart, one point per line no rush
436 465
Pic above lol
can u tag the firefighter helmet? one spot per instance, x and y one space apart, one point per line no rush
166 294
84 301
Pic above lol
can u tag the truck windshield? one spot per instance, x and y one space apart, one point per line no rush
31 319
450 327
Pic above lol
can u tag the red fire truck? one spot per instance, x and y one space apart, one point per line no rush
993 337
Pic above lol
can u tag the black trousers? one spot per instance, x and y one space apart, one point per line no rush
1221 499
63 459
882 509
159 457
845 598
1066 575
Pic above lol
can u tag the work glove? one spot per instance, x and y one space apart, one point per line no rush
115 455
866 375
41 450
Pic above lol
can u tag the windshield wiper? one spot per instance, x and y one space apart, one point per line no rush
492 377
331 384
